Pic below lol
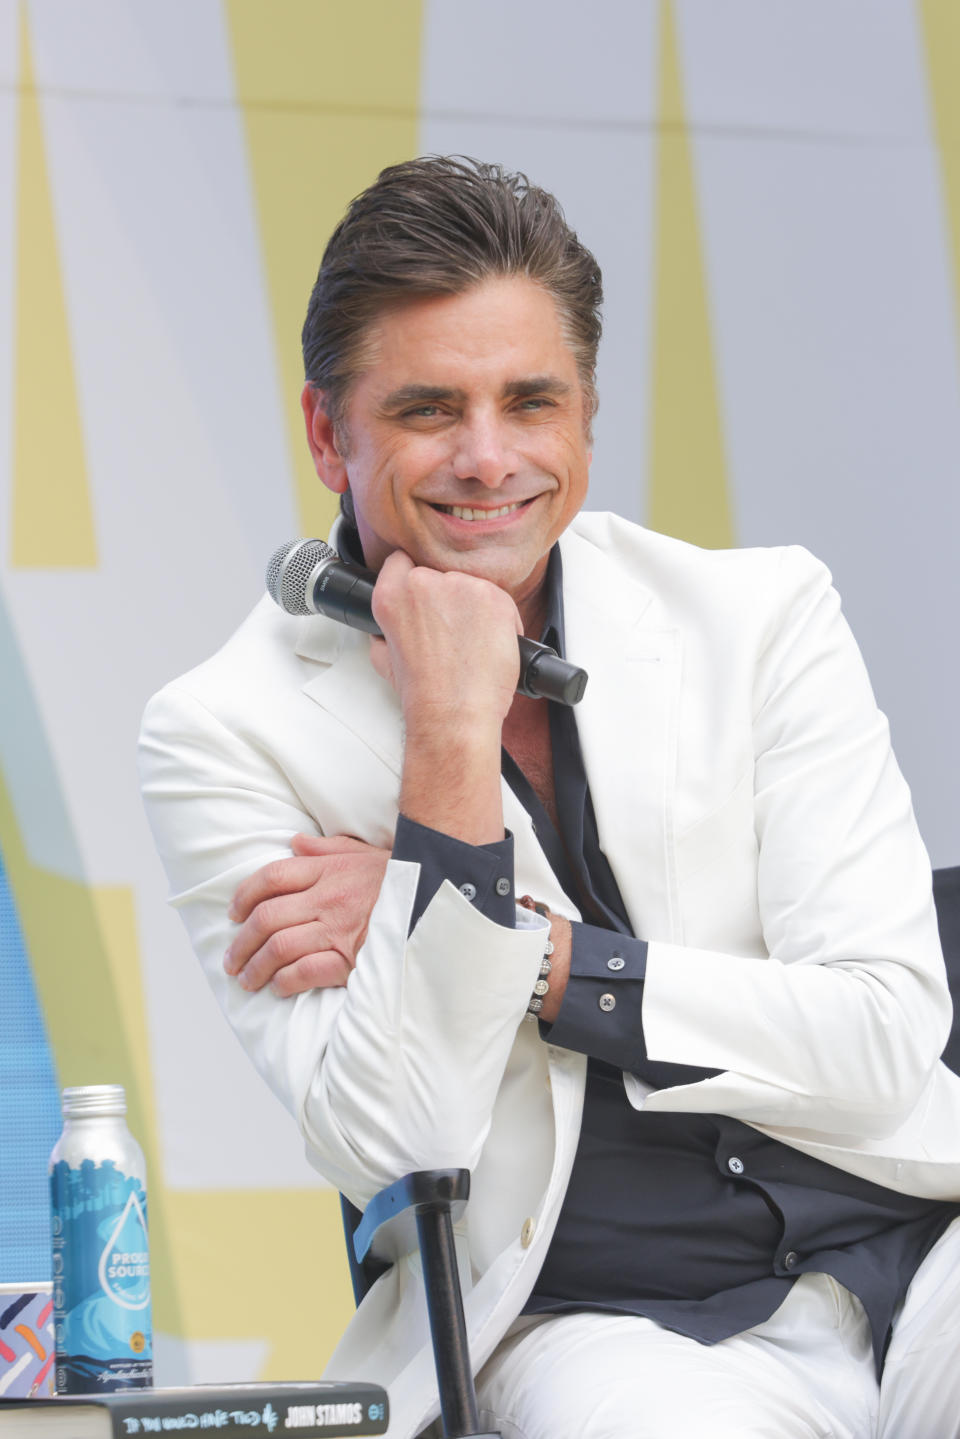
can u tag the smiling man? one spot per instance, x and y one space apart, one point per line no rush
713 1176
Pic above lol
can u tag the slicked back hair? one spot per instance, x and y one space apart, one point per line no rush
439 225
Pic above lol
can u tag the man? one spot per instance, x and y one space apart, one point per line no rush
711 868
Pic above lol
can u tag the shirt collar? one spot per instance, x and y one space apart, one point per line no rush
348 543
553 629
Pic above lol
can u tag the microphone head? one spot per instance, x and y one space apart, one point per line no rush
290 570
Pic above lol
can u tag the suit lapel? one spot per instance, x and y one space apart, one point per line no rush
349 688
627 722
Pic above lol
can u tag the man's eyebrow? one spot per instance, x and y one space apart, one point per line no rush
522 389
537 385
420 395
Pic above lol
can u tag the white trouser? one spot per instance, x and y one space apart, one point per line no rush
807 1373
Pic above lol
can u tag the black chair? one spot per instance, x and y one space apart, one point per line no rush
946 894
436 1197
433 1198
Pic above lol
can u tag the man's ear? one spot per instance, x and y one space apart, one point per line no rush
327 459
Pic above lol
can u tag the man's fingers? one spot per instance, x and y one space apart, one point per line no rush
280 876
268 921
324 844
328 970
337 882
283 949
288 876
380 659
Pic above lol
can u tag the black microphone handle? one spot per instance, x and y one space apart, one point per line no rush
345 593
544 675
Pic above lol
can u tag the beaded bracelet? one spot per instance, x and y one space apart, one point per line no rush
542 986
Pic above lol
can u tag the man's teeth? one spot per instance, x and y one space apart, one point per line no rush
464 512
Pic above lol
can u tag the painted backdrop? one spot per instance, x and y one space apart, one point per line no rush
773 190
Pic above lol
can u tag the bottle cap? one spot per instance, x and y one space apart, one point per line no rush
94 1099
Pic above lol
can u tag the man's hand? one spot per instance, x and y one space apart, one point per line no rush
450 644
303 920
450 651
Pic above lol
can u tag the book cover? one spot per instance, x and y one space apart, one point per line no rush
319 1410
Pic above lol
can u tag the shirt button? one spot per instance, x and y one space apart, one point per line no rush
735 1165
502 886
790 1260
616 962
527 1232
607 1002
469 891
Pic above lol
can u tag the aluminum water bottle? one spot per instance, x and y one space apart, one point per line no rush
101 1264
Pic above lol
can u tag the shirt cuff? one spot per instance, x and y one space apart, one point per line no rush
601 1011
600 1014
482 873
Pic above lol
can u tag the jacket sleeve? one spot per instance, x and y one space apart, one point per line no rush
397 1071
840 1029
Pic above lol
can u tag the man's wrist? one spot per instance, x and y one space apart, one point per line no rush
551 984
452 783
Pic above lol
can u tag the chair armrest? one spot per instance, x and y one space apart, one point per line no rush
387 1218
430 1199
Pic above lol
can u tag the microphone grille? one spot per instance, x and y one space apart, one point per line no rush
289 571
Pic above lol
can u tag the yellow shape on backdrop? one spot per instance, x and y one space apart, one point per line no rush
688 492
52 521
84 954
279 1255
330 95
940 29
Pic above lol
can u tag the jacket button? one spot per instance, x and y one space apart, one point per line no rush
790 1260
469 891
502 886
617 962
527 1232
607 1002
735 1165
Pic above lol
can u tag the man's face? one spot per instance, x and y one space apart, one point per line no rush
466 437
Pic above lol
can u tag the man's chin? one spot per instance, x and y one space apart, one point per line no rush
509 572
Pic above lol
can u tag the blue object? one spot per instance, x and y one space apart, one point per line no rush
29 1109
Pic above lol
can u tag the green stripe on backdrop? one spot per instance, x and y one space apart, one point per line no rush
330 94
52 517
688 488
940 33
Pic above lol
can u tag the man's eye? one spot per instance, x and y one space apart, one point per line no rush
422 412
535 402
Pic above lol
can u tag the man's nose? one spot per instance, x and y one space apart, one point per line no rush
484 452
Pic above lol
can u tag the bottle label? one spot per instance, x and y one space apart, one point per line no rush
101 1279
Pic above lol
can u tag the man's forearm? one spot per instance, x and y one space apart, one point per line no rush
451 779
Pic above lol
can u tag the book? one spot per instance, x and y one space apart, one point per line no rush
320 1410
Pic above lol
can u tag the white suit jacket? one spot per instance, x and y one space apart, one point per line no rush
763 840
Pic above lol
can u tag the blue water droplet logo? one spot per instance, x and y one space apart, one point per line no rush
124 1268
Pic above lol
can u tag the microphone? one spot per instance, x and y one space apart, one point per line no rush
308 577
